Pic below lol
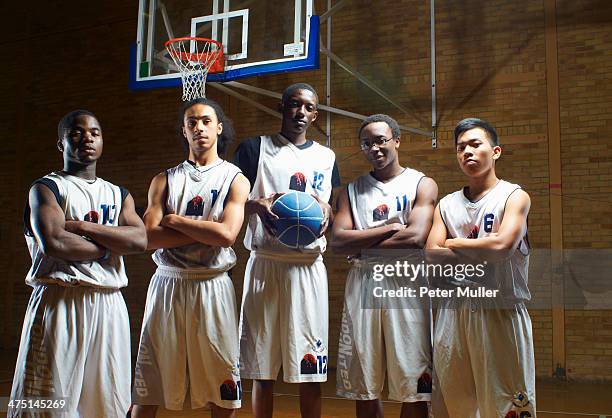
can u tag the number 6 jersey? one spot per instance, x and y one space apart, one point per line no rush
466 219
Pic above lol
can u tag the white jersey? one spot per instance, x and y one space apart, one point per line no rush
95 201
374 203
466 219
375 340
282 167
199 193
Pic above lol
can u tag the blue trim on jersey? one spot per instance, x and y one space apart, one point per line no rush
51 185
310 62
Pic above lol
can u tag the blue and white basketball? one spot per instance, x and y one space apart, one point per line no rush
300 218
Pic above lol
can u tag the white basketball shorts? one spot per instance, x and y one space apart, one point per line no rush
75 346
188 353
484 361
378 342
284 318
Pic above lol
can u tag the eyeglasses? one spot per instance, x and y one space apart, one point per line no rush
379 142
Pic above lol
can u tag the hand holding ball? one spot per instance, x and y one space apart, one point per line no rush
299 219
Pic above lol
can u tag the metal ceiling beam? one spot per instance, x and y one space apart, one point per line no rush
331 109
330 12
434 117
248 100
348 68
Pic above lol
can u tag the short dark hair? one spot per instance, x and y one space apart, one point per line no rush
392 123
298 86
67 121
472 123
227 135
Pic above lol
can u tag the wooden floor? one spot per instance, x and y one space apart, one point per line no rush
556 399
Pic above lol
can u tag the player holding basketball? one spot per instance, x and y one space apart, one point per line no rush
75 340
284 317
188 355
483 352
389 208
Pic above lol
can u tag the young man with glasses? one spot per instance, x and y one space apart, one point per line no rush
389 208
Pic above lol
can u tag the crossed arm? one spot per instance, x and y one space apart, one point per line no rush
494 247
171 230
347 240
66 239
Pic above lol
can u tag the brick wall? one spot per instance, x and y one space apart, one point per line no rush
585 68
490 63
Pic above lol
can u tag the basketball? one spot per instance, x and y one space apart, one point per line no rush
300 218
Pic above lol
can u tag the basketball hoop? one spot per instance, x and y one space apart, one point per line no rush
195 58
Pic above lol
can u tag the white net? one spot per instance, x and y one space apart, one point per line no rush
194 57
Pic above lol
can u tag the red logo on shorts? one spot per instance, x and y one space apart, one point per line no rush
514 414
424 383
230 390
308 365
